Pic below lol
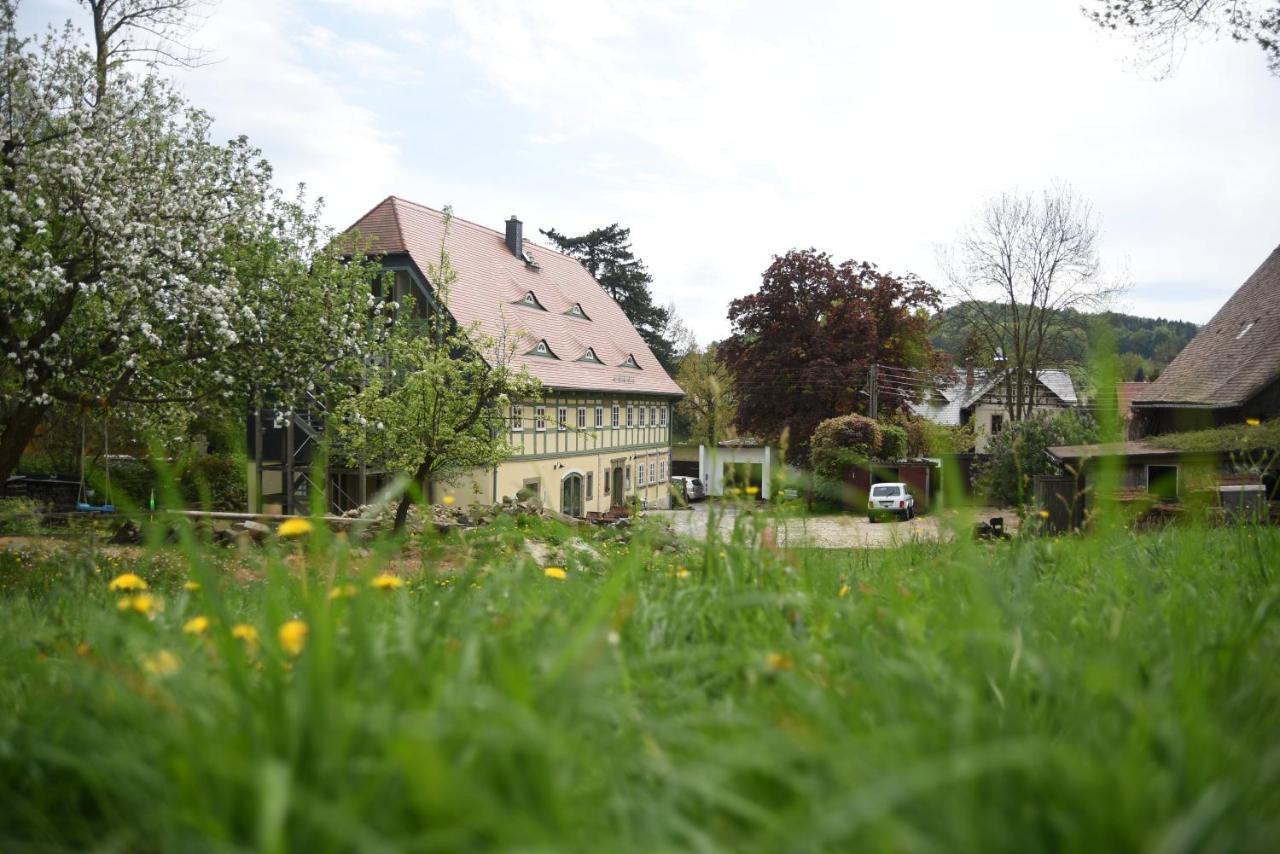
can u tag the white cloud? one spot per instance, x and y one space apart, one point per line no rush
724 131
287 83
870 134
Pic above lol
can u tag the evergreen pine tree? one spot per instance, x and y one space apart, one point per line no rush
606 253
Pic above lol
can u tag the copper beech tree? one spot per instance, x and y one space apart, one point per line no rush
803 344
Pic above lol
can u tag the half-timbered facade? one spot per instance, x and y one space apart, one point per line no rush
600 436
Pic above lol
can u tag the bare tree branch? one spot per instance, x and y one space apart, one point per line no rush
1162 28
1020 276
156 31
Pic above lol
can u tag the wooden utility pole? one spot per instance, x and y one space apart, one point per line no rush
873 389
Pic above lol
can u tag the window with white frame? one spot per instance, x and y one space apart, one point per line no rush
599 417
653 415
517 418
540 418
640 476
631 416
642 416
628 474
653 472
562 418
664 416
582 418
662 471
615 416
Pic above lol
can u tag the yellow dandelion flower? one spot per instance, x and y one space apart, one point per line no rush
196 625
753 490
245 632
844 591
127 582
555 572
143 603
162 663
192 586
293 636
448 500
1252 422
1044 514
682 573
386 581
294 526
778 661
343 591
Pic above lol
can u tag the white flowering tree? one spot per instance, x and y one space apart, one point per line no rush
436 405
142 264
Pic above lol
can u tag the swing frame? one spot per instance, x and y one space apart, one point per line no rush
82 496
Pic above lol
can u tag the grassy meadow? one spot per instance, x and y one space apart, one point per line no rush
1118 692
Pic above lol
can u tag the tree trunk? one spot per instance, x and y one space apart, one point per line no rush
18 432
406 500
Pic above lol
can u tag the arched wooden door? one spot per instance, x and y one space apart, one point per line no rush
571 495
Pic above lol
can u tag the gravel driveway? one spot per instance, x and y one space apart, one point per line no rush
836 531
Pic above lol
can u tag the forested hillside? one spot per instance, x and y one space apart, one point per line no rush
1145 344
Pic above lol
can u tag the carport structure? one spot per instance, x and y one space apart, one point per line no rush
736 463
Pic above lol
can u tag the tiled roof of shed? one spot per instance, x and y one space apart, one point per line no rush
1233 357
491 282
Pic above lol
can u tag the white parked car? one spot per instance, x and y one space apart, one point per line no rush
890 498
691 487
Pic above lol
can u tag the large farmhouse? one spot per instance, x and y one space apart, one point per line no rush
600 436
1230 372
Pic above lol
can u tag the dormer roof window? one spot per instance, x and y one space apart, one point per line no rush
630 362
530 300
590 356
576 311
541 349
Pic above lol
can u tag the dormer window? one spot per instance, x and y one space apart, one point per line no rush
576 311
542 349
531 301
630 363
590 356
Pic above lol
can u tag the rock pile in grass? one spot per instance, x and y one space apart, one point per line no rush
446 518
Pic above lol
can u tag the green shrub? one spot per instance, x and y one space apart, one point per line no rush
917 436
1017 454
893 442
843 442
19 517
220 477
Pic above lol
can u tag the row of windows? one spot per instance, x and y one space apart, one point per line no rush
657 473
649 416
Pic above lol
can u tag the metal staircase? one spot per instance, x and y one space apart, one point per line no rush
289 443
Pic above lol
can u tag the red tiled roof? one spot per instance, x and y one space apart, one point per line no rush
490 283
1233 357
1125 393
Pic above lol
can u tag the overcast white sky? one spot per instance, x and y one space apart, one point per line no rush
724 132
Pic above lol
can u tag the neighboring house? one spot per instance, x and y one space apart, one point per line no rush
1230 372
598 438
979 399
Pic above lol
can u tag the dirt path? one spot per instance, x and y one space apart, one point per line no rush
839 531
